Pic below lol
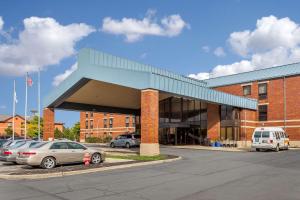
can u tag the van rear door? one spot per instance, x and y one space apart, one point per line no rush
257 137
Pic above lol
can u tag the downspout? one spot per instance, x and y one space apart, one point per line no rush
245 137
284 102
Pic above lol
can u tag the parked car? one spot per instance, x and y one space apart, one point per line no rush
2 141
126 140
10 153
11 142
50 154
273 138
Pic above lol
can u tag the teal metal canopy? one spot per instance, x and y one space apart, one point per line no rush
99 66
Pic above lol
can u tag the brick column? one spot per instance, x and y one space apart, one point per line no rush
149 122
48 129
213 121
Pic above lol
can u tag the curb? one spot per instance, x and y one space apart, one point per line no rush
78 172
211 149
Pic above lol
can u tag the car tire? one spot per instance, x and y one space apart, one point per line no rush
277 148
127 145
48 163
257 149
96 158
112 145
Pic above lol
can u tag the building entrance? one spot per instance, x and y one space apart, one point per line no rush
183 136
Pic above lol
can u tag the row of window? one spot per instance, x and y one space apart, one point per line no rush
111 121
262 90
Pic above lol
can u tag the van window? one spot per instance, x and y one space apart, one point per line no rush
277 136
265 134
282 135
257 134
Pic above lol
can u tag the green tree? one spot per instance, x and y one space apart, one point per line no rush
76 131
58 134
8 131
32 127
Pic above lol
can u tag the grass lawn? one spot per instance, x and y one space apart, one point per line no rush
138 157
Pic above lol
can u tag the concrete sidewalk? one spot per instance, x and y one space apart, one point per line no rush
208 148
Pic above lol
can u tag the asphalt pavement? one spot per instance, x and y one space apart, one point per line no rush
199 175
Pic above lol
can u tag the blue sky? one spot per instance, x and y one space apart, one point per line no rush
201 40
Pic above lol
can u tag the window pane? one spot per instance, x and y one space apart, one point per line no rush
247 90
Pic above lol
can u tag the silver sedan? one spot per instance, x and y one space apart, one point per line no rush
49 154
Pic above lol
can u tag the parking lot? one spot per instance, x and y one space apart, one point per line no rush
199 175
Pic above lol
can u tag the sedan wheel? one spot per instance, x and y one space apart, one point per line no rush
96 158
48 163
112 145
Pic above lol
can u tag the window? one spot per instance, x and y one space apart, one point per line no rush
247 90
104 123
91 124
262 90
92 114
73 145
265 134
127 121
86 115
9 124
133 121
263 113
86 124
111 121
59 145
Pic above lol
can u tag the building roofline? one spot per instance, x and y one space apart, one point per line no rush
263 69
269 74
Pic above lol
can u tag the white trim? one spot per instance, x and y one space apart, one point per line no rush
262 82
261 104
292 126
246 84
272 121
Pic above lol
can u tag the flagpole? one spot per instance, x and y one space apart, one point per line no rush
26 105
14 110
39 106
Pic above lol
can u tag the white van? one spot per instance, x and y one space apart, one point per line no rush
273 138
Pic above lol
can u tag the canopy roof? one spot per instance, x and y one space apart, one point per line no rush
113 82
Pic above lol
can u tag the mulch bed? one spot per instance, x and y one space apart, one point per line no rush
27 170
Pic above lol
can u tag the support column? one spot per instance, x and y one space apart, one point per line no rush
48 129
213 121
149 122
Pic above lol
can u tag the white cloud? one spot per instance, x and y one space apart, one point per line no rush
200 76
219 51
143 55
43 42
274 42
135 29
1 23
206 49
270 33
61 77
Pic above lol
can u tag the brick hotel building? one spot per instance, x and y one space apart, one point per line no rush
116 95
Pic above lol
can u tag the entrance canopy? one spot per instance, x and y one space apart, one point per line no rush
108 83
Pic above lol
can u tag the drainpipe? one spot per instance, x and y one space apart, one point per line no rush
284 102
245 135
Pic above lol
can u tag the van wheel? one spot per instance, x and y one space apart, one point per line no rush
257 149
127 145
277 148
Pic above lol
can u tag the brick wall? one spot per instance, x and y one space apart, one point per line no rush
275 102
149 116
19 130
213 121
48 129
98 130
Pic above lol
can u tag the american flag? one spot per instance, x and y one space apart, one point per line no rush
29 81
